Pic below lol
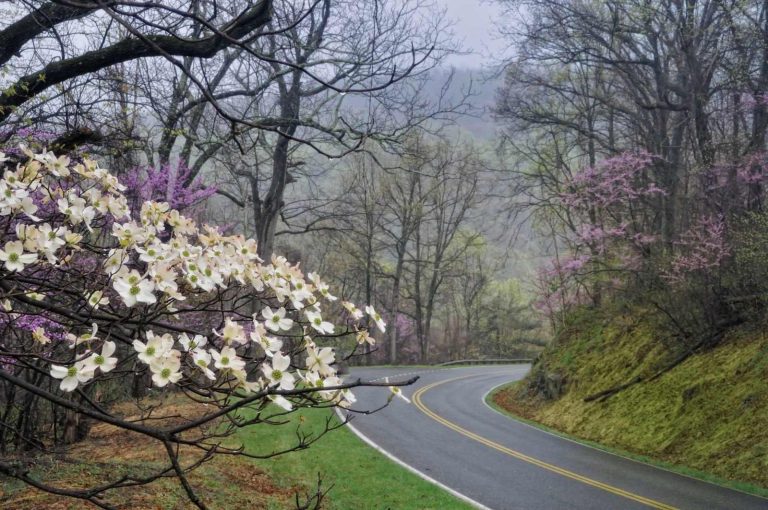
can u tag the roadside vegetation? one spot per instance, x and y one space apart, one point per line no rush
648 176
706 415
361 478
194 194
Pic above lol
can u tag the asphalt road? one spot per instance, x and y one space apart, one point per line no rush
452 436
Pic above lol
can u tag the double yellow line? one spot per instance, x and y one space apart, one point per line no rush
526 458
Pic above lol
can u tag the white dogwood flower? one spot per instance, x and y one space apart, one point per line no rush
165 370
39 335
232 332
276 321
72 375
134 289
14 257
317 322
319 360
364 337
281 401
90 336
354 311
97 299
192 344
373 314
227 359
156 347
103 361
202 359
396 392
277 372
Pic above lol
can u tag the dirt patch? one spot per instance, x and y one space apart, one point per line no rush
509 399
109 453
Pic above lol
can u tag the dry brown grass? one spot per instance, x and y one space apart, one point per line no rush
109 452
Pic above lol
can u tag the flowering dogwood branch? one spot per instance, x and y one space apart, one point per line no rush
95 294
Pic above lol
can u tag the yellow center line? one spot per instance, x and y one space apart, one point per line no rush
526 458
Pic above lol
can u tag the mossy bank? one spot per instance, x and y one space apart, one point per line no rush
709 413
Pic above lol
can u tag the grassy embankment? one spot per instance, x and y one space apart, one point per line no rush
360 477
707 417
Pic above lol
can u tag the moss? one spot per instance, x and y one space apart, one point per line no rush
709 413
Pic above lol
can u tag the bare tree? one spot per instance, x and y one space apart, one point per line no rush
449 193
341 76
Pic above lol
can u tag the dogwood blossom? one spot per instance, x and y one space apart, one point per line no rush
103 361
232 332
72 375
322 287
201 360
134 289
270 344
373 314
276 321
75 340
277 372
192 344
317 322
281 401
14 257
227 359
354 311
364 337
40 336
165 370
160 257
156 347
97 299
319 360
396 391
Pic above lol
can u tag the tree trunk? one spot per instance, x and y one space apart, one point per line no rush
393 333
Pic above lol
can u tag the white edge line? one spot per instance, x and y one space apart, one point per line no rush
410 468
636 461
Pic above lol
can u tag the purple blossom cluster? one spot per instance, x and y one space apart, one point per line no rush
554 282
607 203
565 267
612 182
30 322
166 183
598 236
702 248
11 138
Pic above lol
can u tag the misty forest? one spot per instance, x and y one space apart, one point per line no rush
229 227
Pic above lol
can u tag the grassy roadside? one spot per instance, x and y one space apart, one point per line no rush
706 418
361 478
504 400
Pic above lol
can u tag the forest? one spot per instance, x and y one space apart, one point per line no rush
235 200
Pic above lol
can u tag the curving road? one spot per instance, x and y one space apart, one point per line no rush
449 434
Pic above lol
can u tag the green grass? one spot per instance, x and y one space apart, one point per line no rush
710 413
361 477
675 468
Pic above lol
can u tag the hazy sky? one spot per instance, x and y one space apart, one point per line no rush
474 21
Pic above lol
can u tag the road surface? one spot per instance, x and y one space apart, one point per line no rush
449 434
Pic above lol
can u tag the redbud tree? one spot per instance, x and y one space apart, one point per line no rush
611 211
614 239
